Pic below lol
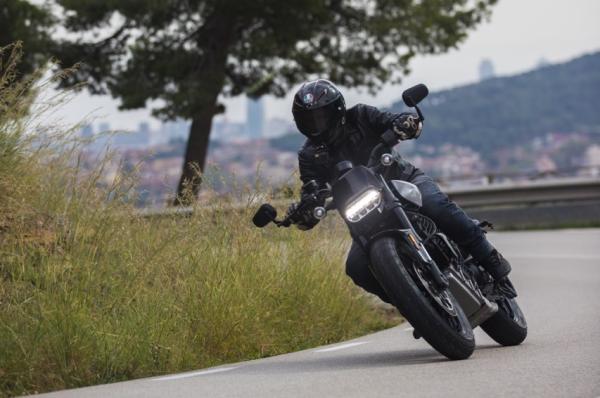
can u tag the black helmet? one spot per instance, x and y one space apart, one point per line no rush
319 111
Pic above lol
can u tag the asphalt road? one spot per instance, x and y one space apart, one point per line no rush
558 276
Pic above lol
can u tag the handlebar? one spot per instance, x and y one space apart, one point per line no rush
389 139
309 200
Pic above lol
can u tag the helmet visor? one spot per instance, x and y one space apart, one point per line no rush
316 122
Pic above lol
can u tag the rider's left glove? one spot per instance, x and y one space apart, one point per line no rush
303 219
407 126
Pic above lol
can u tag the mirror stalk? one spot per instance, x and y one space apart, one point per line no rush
419 113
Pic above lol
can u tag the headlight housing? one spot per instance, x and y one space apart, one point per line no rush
366 202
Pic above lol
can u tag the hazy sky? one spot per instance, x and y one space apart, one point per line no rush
519 34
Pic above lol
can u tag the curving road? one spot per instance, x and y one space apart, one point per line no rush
558 276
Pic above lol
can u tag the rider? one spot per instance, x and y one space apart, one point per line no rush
335 133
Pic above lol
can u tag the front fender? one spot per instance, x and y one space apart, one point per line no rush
412 246
414 249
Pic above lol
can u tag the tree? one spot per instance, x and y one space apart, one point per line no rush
21 21
188 53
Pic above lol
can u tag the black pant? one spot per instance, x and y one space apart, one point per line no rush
450 218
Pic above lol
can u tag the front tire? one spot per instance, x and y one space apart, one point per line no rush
414 304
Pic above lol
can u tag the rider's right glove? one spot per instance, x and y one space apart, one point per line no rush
407 125
303 219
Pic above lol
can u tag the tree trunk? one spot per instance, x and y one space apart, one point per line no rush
210 77
195 158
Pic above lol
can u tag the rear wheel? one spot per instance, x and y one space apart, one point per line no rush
435 315
508 326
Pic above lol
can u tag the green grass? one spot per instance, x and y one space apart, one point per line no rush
91 293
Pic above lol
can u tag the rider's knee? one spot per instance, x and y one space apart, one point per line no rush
435 205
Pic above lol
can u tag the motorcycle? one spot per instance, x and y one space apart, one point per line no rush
437 286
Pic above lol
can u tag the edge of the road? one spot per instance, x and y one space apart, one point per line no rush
403 327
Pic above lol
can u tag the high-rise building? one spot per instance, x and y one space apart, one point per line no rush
255 118
143 128
486 69
87 131
143 135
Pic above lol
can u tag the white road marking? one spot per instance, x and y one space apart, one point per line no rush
409 329
194 374
341 347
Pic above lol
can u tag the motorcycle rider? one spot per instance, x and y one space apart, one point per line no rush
335 133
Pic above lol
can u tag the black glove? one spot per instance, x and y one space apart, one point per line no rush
303 219
407 126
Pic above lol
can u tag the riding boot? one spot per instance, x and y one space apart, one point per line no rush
496 265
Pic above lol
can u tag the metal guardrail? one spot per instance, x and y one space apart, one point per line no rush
494 177
528 193
505 195
565 202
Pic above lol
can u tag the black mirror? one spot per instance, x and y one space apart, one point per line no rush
264 215
415 94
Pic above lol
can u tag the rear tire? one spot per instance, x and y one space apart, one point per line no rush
412 302
508 326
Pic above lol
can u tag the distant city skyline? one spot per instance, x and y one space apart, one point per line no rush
518 36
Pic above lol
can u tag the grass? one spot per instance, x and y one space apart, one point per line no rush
91 293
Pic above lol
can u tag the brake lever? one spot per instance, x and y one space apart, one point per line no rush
287 220
285 223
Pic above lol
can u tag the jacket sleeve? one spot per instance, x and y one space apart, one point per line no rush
309 169
377 121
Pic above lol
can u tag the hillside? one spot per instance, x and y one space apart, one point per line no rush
507 111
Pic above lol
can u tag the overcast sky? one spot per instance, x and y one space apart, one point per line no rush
519 34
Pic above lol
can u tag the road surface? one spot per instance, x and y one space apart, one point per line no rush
558 276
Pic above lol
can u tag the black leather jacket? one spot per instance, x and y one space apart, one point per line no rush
362 130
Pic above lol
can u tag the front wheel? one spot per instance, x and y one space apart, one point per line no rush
438 318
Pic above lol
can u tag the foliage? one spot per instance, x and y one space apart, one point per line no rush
90 292
16 95
270 44
511 111
22 21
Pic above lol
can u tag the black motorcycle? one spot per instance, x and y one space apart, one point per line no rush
440 289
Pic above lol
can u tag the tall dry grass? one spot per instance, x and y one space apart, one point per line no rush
91 293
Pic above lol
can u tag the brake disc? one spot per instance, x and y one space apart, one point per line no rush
441 297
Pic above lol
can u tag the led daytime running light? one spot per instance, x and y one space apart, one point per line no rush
363 205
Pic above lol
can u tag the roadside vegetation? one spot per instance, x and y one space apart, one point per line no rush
92 293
